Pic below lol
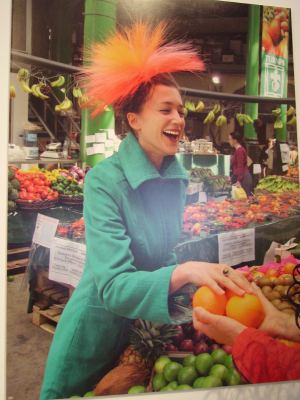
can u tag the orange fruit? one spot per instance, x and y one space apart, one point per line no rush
229 293
209 300
289 343
246 309
289 267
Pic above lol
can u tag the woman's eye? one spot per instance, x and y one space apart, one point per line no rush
165 111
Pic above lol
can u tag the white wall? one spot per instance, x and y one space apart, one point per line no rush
19 111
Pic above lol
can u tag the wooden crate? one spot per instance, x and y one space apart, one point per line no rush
46 319
17 260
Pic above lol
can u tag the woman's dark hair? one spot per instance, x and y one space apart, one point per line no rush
135 102
293 293
239 137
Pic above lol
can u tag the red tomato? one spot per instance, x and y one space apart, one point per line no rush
44 194
23 195
26 183
30 189
30 196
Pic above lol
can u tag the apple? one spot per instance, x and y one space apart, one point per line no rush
171 347
201 347
199 336
186 345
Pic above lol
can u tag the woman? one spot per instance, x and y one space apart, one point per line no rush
256 353
132 209
240 173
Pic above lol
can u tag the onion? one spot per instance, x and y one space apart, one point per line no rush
201 347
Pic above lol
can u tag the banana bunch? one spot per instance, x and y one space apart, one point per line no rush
190 106
216 108
278 124
36 90
12 91
23 77
58 82
291 111
83 101
292 121
54 174
200 106
276 111
23 74
209 118
221 120
65 105
243 119
77 93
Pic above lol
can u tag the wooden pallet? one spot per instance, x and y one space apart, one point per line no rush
17 260
46 319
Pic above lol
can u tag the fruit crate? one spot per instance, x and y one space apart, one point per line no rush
46 319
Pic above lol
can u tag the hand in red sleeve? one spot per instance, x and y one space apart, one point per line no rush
222 329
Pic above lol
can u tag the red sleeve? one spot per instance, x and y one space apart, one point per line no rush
240 163
260 358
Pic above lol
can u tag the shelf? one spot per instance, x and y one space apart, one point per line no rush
45 161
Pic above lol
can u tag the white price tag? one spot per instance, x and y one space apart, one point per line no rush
285 168
236 247
90 151
202 197
256 168
90 139
100 137
45 229
99 148
111 133
67 260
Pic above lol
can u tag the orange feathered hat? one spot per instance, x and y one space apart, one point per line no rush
131 58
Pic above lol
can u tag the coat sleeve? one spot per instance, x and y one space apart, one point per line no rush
122 288
260 358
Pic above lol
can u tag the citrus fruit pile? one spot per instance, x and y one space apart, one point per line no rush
193 372
246 309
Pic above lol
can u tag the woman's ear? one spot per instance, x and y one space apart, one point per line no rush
133 121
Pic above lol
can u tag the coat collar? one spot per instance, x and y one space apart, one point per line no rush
139 169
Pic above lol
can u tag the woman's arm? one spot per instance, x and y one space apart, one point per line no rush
240 163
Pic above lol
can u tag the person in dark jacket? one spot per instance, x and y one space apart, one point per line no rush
240 172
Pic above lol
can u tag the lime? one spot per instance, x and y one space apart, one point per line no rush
184 387
137 389
229 362
160 363
158 382
219 356
187 375
173 385
170 371
211 381
218 370
189 360
89 394
203 363
198 382
232 377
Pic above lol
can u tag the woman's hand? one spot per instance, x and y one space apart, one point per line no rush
276 323
215 276
222 329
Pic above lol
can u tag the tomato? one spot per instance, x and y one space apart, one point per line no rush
26 183
30 196
44 194
30 189
55 195
23 195
38 181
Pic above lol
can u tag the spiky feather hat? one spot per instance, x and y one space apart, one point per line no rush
131 58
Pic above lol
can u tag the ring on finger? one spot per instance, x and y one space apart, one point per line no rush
226 271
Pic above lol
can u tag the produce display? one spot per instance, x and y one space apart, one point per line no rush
74 230
13 190
277 184
293 171
229 214
67 186
211 183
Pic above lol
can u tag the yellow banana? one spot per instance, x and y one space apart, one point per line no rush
278 124
292 121
291 111
64 106
39 93
77 92
200 106
25 87
58 82
221 120
23 74
34 91
247 119
276 111
12 91
209 118
216 108
240 119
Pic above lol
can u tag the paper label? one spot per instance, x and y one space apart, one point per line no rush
90 139
100 137
236 247
192 188
202 197
67 260
285 168
90 151
256 168
99 148
45 229
111 134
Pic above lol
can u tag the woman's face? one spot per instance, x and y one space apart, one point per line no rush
232 141
159 125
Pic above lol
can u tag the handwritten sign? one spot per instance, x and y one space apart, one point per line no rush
45 229
236 247
67 260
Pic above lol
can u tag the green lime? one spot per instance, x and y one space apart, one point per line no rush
189 360
170 371
218 370
158 382
137 389
198 382
229 362
187 375
232 377
89 394
10 278
203 363
160 364
219 356
184 387
211 381
173 385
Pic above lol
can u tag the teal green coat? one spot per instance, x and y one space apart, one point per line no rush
133 216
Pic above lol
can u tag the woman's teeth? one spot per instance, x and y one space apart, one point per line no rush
171 134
